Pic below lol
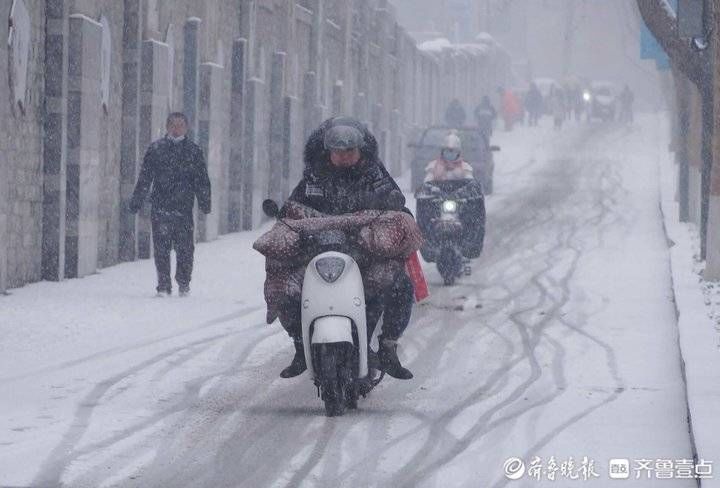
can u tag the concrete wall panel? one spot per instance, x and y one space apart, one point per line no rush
210 135
154 94
83 146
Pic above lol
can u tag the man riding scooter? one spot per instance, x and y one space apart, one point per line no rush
343 175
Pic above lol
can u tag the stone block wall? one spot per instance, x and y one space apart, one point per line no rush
4 161
236 129
131 45
21 213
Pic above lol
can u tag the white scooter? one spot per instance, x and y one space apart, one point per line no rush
334 328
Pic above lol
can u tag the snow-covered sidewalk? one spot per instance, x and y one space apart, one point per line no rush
699 335
68 349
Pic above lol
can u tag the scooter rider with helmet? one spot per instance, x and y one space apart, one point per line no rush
450 165
343 174
449 178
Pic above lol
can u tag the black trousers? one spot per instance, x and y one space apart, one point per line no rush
396 303
173 231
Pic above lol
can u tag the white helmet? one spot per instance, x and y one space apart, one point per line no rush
452 148
452 141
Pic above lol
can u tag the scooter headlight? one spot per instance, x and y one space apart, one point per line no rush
587 96
330 268
449 206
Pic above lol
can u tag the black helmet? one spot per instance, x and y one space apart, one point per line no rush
343 137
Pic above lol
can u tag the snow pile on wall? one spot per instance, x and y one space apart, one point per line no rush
485 43
436 45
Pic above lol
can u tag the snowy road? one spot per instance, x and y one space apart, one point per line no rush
562 343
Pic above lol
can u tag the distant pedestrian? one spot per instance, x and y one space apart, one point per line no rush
511 110
485 115
627 98
557 107
175 168
533 104
455 115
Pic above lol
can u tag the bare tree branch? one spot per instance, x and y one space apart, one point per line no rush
662 22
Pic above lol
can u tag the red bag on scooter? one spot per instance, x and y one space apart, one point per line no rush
415 272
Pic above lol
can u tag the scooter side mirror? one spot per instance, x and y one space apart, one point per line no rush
271 208
494 148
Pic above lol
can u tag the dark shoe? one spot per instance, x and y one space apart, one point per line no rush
298 365
184 290
389 361
163 292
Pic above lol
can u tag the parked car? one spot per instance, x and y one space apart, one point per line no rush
476 150
602 100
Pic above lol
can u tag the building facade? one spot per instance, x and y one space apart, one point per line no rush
91 82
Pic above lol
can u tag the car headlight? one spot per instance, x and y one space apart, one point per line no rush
330 268
587 97
449 206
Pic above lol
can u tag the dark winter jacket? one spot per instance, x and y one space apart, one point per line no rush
485 112
177 173
455 114
335 191
533 100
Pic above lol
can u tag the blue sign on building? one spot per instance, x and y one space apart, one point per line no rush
650 48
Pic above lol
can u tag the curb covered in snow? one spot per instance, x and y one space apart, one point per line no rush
698 337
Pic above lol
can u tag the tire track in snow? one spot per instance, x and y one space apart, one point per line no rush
410 476
139 345
611 361
66 452
502 371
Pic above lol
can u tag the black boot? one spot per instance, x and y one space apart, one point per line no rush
389 361
298 365
373 360
184 290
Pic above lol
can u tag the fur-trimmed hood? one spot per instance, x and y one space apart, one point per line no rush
335 191
317 158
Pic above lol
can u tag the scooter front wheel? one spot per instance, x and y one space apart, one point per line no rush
351 399
336 378
449 265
